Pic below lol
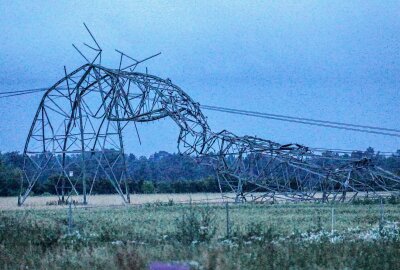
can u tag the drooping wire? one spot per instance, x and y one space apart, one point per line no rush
22 92
307 121
300 120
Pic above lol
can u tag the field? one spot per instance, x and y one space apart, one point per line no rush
201 236
43 202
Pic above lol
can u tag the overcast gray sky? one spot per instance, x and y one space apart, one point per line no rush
333 60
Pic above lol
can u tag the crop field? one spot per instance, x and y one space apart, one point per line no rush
363 234
46 202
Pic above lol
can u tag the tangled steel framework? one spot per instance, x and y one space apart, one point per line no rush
87 111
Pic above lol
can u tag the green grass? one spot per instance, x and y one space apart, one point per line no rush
262 236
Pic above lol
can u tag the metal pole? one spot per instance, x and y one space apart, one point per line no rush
382 212
83 147
63 189
227 220
122 153
20 189
70 217
333 220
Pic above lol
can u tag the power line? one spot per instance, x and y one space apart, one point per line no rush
207 107
278 117
24 91
321 123
13 95
21 92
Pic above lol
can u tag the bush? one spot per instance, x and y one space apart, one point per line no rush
195 225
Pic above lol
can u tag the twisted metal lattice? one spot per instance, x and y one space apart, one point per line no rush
87 111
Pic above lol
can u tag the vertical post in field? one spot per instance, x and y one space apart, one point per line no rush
227 220
382 216
63 189
70 217
333 220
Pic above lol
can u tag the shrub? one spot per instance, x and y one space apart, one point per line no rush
195 225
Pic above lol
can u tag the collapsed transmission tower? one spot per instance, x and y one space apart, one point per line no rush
86 112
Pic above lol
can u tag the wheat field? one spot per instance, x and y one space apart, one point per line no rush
45 202
50 202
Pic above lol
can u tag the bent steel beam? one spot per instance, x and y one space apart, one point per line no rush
87 111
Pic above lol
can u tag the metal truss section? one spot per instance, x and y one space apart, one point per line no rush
86 112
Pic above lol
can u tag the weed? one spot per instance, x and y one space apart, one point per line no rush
195 225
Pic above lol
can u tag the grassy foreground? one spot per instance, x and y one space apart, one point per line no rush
259 236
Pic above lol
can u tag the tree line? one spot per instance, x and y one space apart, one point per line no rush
161 172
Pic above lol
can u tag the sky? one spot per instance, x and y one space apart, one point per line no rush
330 60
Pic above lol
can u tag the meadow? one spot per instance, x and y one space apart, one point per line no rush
363 234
